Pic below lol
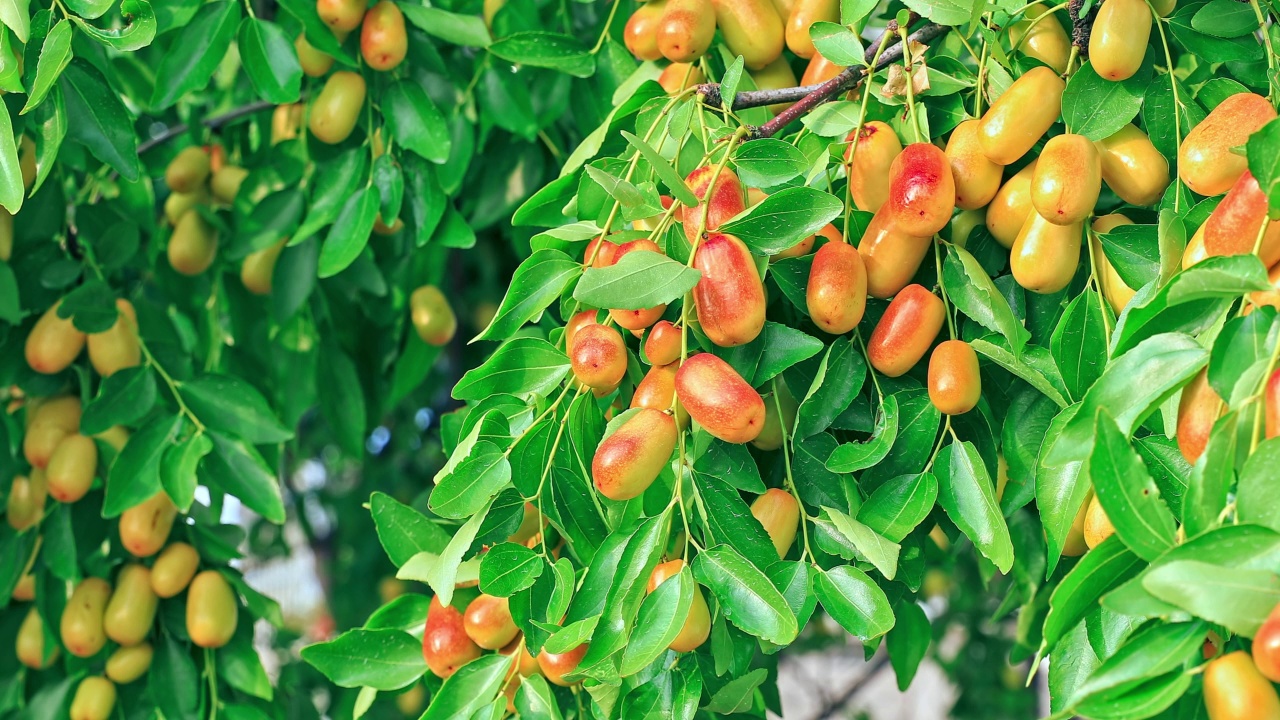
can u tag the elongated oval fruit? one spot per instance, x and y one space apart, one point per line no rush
432 316
890 256
1271 401
117 347
25 590
336 110
775 76
30 643
922 191
315 63
488 622
1233 226
628 461
95 699
212 610
193 246
1021 116
718 399
132 608
342 16
730 294
173 570
188 170
1042 39
1266 646
225 183
600 252
1097 526
6 235
1198 410
555 666
1114 289
598 356
1067 180
177 204
871 153
49 424
686 29
1235 690
641 32
54 343
1132 167
259 266
727 199
658 388
752 29
127 664
697 623
1119 38
576 323
1074 544
1205 161
383 41
803 15
779 513
81 627
445 644
905 331
819 70
955 383
1045 255
662 346
836 295
1011 207
25 505
680 76
977 179
144 528
641 318
71 469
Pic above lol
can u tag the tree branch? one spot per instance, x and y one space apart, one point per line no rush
1081 26
213 123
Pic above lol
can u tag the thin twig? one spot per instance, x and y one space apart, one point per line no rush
835 706
213 123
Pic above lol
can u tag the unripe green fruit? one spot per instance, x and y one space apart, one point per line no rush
193 246
25 506
30 643
432 316
336 110
173 570
315 63
212 610
71 468
81 628
129 663
132 608
188 170
117 347
95 699
226 183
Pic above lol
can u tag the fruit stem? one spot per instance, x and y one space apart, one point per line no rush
1097 284
1173 85
870 370
211 672
911 95
1260 396
942 288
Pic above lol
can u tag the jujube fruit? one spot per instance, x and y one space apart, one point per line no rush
730 294
1021 116
48 424
54 343
177 204
193 246
680 76
1266 646
71 469
315 63
488 622
258 268
686 29
1044 256
658 388
905 331
1235 690
1132 167
772 434
342 16
132 608
81 627
870 155
95 699
1074 545
1233 226
819 70
129 663
118 347
445 644
383 41
1271 402
1114 289
173 570
803 15
1119 38
627 462
640 34
556 666
576 323
601 252
1198 410
752 29
337 109
976 179
1043 39
1205 161
922 191
726 200
188 170
212 611
25 505
29 644
891 257
432 316
955 383
779 514
1195 251
836 294
25 590
662 346
718 399
598 356
286 121
1097 526
1067 179
1010 208
225 183
144 528
697 624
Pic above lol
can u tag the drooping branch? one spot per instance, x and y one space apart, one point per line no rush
213 123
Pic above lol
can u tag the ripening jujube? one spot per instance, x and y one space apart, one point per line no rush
905 331
1021 116
225 183
342 16
25 590
775 76
488 622
383 41
976 179
555 666
955 384
598 356
627 462
1044 256
127 664
641 318
779 514
1043 39
25 505
1114 289
337 108
193 246
1067 180
1266 646
680 76
144 528
432 316
819 70
54 343
890 256
177 204
686 29
71 468
718 399
188 170
1009 209
1205 161
640 34
1195 251
1235 690
1271 403
212 610
1074 545
1119 37
118 347
95 699
662 344
1233 226
804 14
132 608
1132 167
751 28
258 268
315 63
576 323
729 296
772 434
870 155
726 199
81 627
29 643
601 252
1198 410
836 295
47 425
174 569
1097 526
697 624
922 191
658 388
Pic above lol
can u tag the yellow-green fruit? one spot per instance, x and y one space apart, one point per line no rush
226 183
70 471
336 110
48 424
779 513
117 347
30 643
54 343
25 506
95 699
1074 545
1119 38
211 610
490 9
27 161
1021 116
258 268
193 245
1132 167
1044 40
6 235
132 608
81 629
188 170
173 570
752 29
177 204
315 63
432 315
1045 255
342 16
144 528
129 663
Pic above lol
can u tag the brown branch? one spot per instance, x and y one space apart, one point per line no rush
212 123
1081 26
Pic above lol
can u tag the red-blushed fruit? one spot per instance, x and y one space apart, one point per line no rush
1044 256
1205 161
488 622
526 665
576 323
697 623
29 644
342 16
752 29
641 32
212 610
144 528
718 399
1067 179
976 178
730 294
71 468
727 199
445 644
383 41
598 356
1271 398
627 462
95 699
836 295
1119 37
922 191
890 256
1195 251
869 160
117 347
81 626
54 343
1266 646
662 346
1010 208
601 252
1233 226
779 513
905 331
132 608
1132 167
819 70
556 667
955 383
1021 116
658 388
685 30
1235 690
680 76
1198 410
644 317
174 569
432 316
1097 526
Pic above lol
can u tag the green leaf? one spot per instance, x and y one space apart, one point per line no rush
173 680
775 349
97 119
178 469
350 232
664 170
1239 599
416 123
854 456
236 468
383 659
1100 570
1263 151
729 519
1225 19
638 281
407 612
968 495
1134 252
1211 478
137 34
1152 651
453 28
92 307
473 483
1126 491
231 405
123 399
971 290
767 162
523 365
783 219
662 616
1036 366
509 568
135 475
838 381
1079 343
547 50
55 55
747 598
877 549
1220 49
837 43
535 701
270 61
908 642
1257 496
538 282
855 601
1098 108
737 695
342 402
196 52
16 15
11 188
899 505
441 570
403 531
